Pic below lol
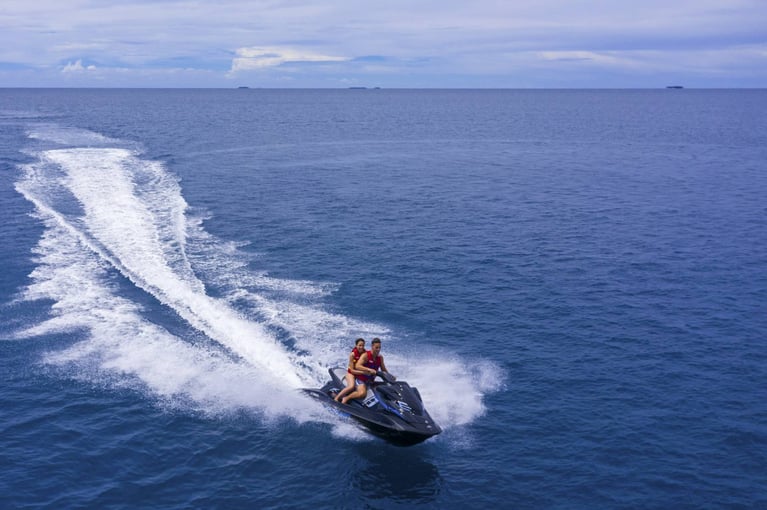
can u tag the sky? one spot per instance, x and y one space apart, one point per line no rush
391 43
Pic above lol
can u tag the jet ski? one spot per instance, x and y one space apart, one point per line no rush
392 410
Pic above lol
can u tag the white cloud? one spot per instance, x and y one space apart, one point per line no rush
270 56
577 56
77 67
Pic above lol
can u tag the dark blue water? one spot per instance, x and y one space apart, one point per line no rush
576 281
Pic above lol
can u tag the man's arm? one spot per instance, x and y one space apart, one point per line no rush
361 365
353 366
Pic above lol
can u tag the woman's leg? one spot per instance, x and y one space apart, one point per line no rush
349 387
361 390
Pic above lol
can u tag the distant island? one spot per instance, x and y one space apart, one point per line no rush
364 88
674 87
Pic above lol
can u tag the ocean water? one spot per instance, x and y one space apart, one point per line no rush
576 281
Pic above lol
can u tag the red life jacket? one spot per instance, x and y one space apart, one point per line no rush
357 357
374 363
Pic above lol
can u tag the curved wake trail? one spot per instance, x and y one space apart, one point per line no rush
123 349
145 238
107 209
131 212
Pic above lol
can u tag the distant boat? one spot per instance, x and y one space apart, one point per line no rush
674 87
243 87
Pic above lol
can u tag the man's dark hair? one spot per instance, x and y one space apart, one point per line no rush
375 341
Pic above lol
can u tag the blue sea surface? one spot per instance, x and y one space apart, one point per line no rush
575 280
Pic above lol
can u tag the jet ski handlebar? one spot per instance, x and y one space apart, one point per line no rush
386 376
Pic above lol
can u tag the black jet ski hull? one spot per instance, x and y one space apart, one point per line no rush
378 415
